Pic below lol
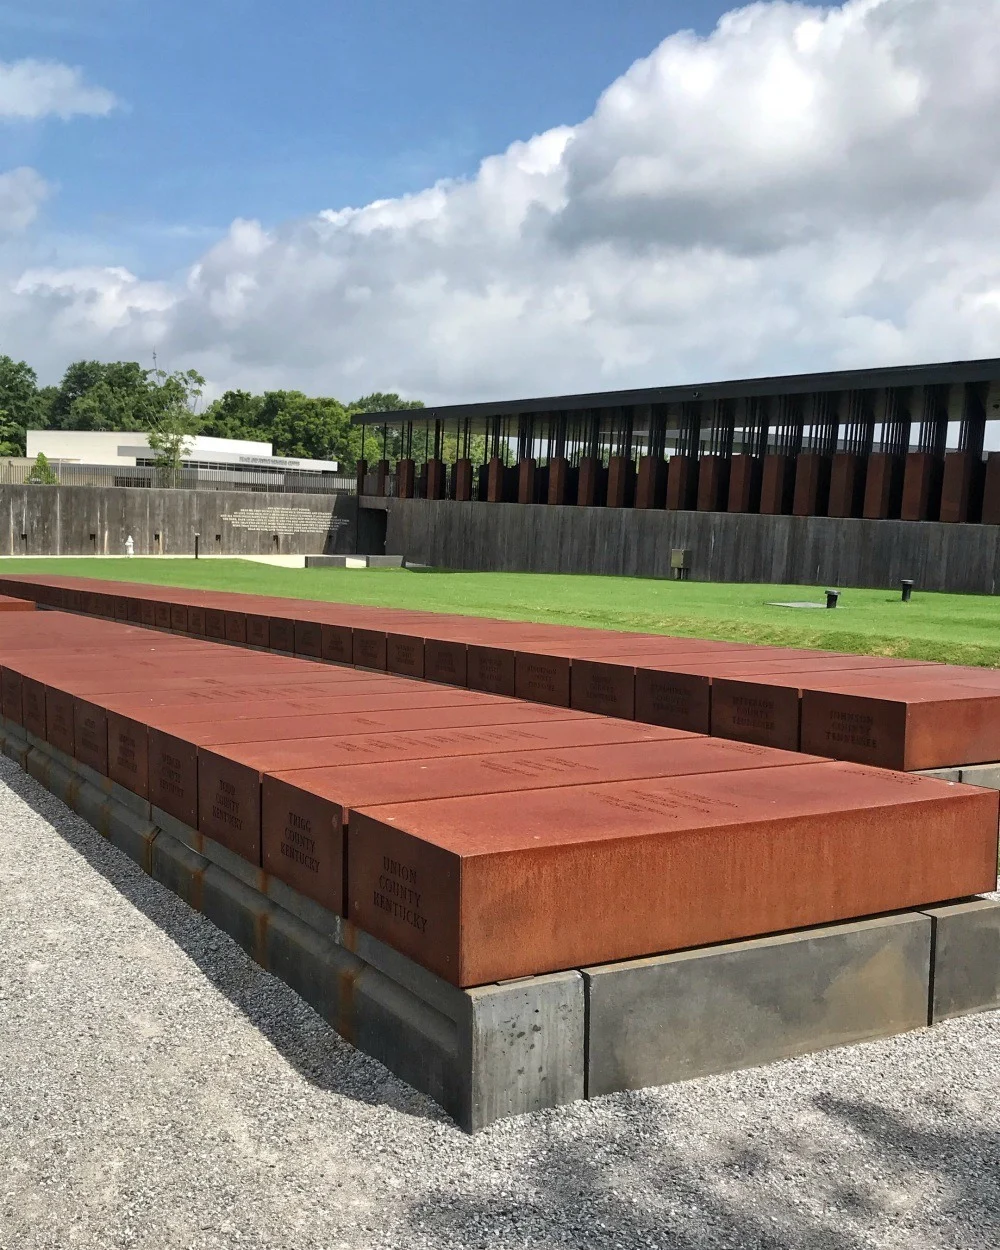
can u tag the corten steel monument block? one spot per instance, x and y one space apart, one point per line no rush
442 881
902 724
962 487
526 471
991 490
281 634
178 617
559 481
337 643
682 483
720 1008
495 480
651 482
592 483
847 485
713 484
404 478
542 678
883 486
370 648
812 484
236 628
921 487
304 811
676 699
966 958
755 711
435 479
603 687
621 482
307 638
446 662
215 624
777 484
490 669
230 775
161 615
462 473
404 654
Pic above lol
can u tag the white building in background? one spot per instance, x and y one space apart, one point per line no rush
235 455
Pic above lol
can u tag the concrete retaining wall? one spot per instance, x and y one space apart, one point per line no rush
92 520
725 547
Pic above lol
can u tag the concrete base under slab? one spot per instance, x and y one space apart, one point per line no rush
501 1050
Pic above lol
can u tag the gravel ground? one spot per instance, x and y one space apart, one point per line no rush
157 1089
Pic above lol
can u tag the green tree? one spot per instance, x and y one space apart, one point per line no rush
174 400
236 414
41 472
304 426
19 404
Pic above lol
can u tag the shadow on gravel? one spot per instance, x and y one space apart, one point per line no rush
299 1035
633 1184
661 1197
964 1162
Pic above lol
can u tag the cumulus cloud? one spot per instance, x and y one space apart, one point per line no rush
803 188
22 191
31 90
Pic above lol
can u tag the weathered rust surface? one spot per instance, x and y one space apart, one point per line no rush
337 643
713 484
161 615
90 735
369 648
961 487
128 756
59 719
215 624
756 711
446 662
481 891
682 483
490 669
258 630
178 616
898 724
172 775
236 627
308 638
404 654
669 697
812 484
281 631
921 487
542 678
777 484
847 485
602 687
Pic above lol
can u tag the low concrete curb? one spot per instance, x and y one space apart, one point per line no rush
653 1021
966 958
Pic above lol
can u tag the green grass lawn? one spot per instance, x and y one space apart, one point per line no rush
959 628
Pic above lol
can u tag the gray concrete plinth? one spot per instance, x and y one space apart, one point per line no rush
985 775
482 1054
672 1017
966 958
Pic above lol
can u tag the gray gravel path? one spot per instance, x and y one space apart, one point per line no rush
157 1089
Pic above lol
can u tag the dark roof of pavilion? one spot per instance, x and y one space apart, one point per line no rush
791 384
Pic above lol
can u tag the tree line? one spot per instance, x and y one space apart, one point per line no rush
123 396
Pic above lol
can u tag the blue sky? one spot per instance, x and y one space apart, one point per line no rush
640 193
250 108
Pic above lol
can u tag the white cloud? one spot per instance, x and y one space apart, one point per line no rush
804 188
22 192
30 90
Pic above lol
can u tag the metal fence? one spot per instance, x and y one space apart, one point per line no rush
260 481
